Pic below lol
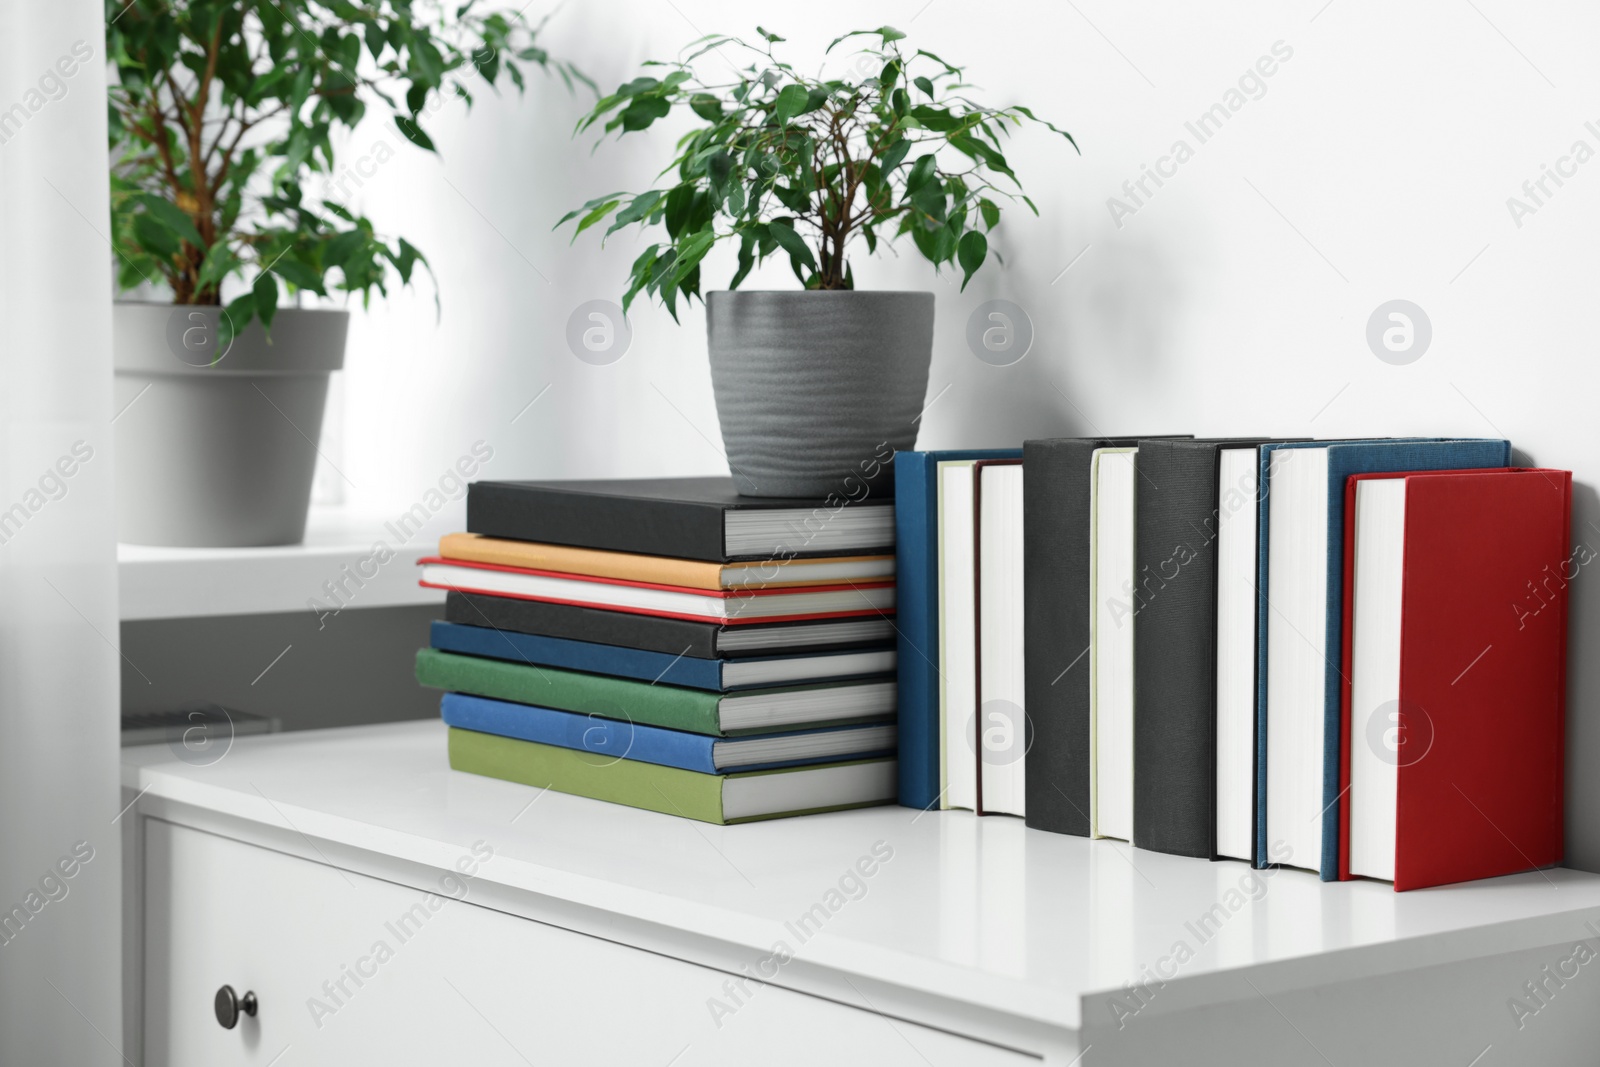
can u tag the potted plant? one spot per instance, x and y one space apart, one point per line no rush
219 112
811 385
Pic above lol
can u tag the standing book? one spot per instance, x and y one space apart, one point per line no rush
959 727
1001 737
1300 611
1238 493
917 616
1453 706
1179 506
1057 496
1113 605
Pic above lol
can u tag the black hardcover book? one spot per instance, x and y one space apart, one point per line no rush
675 637
691 518
1175 646
1056 610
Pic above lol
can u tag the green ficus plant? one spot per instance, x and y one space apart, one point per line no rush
781 162
221 109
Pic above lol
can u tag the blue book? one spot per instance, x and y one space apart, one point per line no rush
1299 620
916 545
715 675
614 739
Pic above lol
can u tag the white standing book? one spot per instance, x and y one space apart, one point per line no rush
1237 518
1113 606
1297 583
958 659
1003 720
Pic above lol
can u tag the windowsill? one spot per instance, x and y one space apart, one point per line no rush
346 560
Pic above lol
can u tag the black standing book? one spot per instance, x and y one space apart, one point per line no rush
1056 612
691 518
1175 643
659 633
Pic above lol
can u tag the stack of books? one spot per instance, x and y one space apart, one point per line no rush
1347 656
668 644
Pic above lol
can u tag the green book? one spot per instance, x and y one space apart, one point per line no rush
717 798
648 704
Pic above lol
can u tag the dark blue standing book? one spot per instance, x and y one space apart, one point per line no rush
916 546
1344 458
716 675
615 739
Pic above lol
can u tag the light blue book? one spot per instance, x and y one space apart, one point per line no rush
614 739
1299 620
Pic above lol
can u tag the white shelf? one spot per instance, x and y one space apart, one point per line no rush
340 547
980 917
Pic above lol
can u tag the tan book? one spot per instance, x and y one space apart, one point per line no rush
666 570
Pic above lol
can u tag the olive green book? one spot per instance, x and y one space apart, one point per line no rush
649 704
714 798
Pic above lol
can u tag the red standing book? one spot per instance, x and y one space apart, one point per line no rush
1455 635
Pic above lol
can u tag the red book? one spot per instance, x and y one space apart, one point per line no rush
1455 636
725 606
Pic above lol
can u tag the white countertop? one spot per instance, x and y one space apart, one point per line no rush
340 547
981 911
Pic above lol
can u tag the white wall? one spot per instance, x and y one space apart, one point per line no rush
59 843
1377 165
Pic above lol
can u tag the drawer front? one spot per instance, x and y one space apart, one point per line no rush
348 969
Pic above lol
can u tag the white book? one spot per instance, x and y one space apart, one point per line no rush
1237 519
1297 588
1003 741
1111 552
702 605
958 659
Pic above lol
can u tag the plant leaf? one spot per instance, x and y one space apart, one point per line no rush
413 133
791 242
265 293
970 253
791 101
595 216
173 218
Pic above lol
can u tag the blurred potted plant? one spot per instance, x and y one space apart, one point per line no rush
811 384
219 112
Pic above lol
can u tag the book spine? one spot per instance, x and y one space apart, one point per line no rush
669 790
686 529
918 626
653 667
618 698
605 739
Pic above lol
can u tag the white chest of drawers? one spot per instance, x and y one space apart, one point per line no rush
383 909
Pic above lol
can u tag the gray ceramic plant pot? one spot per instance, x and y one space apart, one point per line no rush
218 452
815 390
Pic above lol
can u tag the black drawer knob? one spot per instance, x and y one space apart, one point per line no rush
229 1004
